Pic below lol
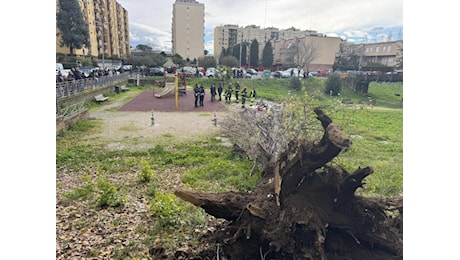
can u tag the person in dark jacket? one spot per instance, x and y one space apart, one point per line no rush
244 94
228 93
196 91
201 95
220 89
213 92
237 91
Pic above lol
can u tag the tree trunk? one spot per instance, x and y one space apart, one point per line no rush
305 209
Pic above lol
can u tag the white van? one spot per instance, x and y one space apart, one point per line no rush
59 67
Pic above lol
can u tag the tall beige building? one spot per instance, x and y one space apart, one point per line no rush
188 29
108 29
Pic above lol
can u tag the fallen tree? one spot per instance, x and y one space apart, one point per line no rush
303 208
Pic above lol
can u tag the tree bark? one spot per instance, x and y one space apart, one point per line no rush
305 209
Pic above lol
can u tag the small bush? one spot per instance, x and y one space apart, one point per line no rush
146 173
108 195
166 208
295 84
333 85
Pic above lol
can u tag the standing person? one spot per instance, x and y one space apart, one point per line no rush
196 91
201 95
228 93
237 91
244 93
220 89
213 92
253 95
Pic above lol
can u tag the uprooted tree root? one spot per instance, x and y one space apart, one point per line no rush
303 209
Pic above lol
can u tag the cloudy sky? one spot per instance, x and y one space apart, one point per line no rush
357 20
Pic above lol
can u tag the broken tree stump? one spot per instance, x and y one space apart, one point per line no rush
305 209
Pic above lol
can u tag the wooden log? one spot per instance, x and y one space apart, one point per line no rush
227 205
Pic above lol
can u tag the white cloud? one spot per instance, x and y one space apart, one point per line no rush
153 37
150 21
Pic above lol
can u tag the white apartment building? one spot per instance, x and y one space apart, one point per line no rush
188 29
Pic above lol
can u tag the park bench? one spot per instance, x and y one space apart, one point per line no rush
100 98
124 88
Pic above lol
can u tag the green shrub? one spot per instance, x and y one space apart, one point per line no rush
333 85
295 84
108 195
167 209
146 174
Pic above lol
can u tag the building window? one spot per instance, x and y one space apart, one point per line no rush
389 48
377 49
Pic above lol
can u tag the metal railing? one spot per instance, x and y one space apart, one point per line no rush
69 88
70 110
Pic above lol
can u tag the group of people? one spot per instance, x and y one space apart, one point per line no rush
76 74
199 93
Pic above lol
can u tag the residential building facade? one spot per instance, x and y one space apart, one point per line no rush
385 53
324 51
108 29
230 35
188 29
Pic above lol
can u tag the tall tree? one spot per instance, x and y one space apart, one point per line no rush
144 47
302 54
73 28
223 53
244 53
229 61
177 59
236 51
267 55
254 54
207 61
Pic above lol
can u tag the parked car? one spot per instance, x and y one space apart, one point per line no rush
211 72
266 74
155 72
201 71
277 74
252 72
312 73
189 71
294 72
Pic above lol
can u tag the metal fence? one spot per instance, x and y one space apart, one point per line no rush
70 109
69 88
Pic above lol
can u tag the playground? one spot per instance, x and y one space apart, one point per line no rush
147 101
175 97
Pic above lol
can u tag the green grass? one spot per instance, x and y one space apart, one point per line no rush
205 165
387 94
377 137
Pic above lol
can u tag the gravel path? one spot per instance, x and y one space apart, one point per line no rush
120 128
